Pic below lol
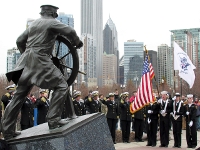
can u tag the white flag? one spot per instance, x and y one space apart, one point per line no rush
183 63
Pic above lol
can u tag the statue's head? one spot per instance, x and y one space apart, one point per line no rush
49 10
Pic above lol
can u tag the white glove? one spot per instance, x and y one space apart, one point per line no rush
150 111
191 123
174 98
162 111
187 113
149 121
174 112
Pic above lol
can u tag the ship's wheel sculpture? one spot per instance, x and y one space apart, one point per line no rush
60 61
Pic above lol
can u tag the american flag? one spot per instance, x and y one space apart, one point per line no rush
152 74
144 93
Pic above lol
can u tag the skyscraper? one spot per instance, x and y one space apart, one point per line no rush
87 63
121 70
63 49
109 69
110 43
165 67
133 61
92 23
12 58
153 60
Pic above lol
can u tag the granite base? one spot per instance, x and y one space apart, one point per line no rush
88 132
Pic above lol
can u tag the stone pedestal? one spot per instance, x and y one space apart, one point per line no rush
88 132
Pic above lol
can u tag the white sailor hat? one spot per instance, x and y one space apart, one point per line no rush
76 94
95 93
189 96
177 94
164 92
11 87
43 91
111 94
126 93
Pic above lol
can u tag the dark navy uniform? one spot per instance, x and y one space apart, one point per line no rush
27 114
42 105
94 106
191 132
79 108
139 117
177 122
125 119
6 98
112 116
164 121
152 111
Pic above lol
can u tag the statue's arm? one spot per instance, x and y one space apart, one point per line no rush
66 31
21 41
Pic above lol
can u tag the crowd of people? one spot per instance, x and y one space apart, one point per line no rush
160 115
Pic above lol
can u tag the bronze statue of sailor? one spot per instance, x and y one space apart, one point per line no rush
35 67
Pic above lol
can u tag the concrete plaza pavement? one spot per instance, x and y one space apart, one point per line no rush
142 145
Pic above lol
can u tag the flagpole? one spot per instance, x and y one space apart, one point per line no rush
181 86
154 75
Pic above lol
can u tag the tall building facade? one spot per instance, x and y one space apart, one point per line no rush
109 69
92 23
12 58
87 56
133 61
165 68
110 42
189 41
153 60
63 49
121 70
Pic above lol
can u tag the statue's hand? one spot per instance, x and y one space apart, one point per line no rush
80 44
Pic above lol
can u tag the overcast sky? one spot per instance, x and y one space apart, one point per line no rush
147 21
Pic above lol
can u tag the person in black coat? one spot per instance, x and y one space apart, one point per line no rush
139 117
112 114
79 106
42 104
27 114
125 117
8 96
152 111
93 103
190 114
165 109
178 111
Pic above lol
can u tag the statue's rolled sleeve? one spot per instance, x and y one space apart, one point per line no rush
67 31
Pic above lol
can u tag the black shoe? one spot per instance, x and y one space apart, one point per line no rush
189 147
141 141
124 141
153 145
161 146
128 141
193 147
178 146
136 140
114 142
149 145
166 146
17 133
174 146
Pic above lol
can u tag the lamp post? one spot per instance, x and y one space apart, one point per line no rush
163 81
122 87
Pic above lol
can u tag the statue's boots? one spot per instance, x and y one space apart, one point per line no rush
7 137
53 125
